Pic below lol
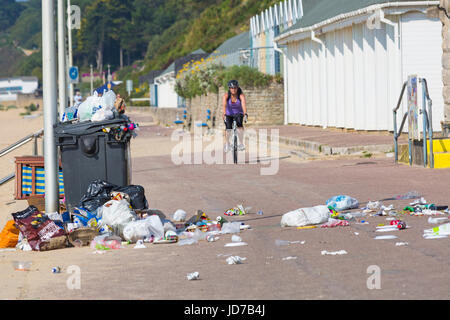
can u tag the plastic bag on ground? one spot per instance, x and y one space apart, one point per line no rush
137 196
117 214
140 229
179 215
97 194
306 216
105 242
342 202
231 227
331 223
442 230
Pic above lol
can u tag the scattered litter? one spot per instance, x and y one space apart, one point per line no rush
305 216
244 226
236 244
212 238
260 213
140 245
179 215
357 233
335 223
193 276
373 205
418 201
441 231
399 244
286 243
282 242
340 252
408 195
385 237
235 260
231 227
436 220
98 252
56 270
235 238
342 202
289 258
22 265
306 227
184 242
298 241
224 255
433 236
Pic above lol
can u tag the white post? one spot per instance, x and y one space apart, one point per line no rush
92 81
50 103
69 28
62 74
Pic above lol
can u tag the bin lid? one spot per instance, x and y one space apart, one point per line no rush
87 127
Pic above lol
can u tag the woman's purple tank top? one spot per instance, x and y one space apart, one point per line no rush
234 108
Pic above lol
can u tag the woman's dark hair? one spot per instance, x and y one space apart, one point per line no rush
239 92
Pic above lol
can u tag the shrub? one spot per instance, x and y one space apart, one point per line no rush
201 78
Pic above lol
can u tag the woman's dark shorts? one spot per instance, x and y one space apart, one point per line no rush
229 121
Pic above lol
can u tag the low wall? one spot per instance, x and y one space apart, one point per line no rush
265 106
161 116
24 100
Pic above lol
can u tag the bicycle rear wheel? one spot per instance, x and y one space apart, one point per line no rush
235 149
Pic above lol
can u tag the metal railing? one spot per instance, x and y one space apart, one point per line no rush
31 137
427 125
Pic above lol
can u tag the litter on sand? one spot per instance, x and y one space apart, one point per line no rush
193 276
333 253
385 237
235 260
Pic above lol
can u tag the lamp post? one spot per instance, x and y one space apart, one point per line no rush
50 106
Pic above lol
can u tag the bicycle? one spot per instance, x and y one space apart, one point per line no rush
235 137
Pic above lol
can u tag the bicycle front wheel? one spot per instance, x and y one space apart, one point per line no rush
235 150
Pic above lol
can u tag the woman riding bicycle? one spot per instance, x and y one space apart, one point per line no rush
234 107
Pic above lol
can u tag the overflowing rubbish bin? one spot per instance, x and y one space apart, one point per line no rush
93 151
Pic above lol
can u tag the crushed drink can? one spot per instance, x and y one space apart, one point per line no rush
56 270
401 225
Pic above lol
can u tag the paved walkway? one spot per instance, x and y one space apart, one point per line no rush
319 140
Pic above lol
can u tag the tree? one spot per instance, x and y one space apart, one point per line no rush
10 10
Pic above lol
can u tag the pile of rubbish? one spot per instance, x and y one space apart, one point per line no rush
336 212
108 218
103 105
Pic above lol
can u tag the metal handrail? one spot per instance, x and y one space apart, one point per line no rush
22 142
396 135
18 144
427 125
429 120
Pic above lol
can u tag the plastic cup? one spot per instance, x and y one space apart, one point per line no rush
22 265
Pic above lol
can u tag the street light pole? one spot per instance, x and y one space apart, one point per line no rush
69 38
92 80
62 71
50 106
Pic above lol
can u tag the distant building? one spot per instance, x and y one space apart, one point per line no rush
234 51
164 88
346 62
10 88
264 27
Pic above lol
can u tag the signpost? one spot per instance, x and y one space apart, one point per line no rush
73 74
129 86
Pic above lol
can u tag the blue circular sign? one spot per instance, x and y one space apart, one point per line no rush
73 73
